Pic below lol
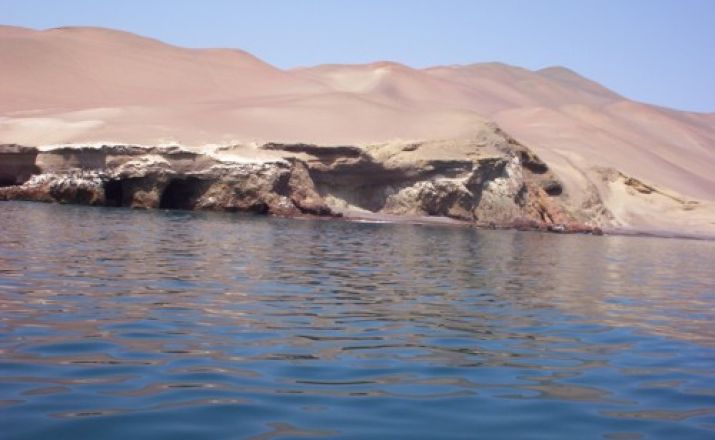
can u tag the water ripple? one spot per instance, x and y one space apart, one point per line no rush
175 324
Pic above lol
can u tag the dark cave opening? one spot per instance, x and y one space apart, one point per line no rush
553 188
113 193
8 181
181 193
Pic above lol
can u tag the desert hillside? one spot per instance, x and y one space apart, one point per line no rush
651 167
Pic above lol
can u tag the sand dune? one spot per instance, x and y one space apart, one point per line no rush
91 84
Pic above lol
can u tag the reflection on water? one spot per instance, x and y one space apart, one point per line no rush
175 324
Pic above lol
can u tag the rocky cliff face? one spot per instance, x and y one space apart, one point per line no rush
489 180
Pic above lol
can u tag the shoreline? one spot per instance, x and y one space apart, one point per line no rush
388 219
504 187
377 218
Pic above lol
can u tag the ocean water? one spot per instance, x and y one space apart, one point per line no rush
120 324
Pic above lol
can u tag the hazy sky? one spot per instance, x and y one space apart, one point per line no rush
657 51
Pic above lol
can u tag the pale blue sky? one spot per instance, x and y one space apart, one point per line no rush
657 51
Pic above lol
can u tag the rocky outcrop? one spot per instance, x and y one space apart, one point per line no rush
17 164
165 178
496 183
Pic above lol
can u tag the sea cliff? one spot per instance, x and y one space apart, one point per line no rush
489 180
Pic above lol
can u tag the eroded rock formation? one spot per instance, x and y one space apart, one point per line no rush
490 180
17 165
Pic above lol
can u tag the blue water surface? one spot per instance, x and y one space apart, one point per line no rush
120 324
